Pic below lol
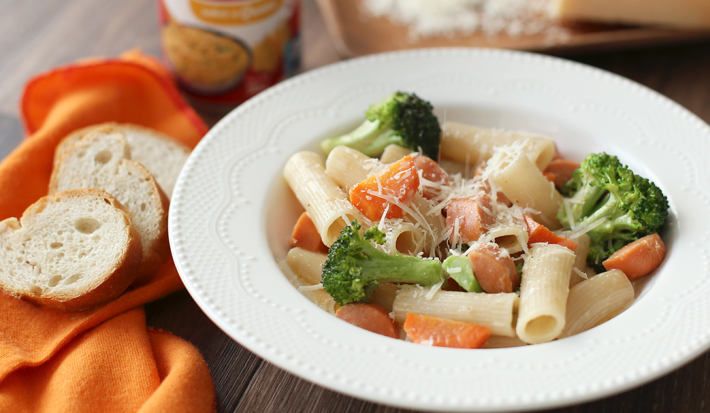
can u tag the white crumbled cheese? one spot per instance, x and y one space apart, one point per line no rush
429 342
579 230
509 220
373 166
427 18
311 287
381 225
420 291
456 231
434 289
414 212
580 273
504 156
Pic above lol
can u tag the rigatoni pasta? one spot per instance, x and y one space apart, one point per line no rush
316 294
326 204
543 293
495 311
402 237
597 300
520 180
473 144
346 167
431 223
306 265
394 153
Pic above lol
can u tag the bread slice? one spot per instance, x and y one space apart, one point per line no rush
162 155
72 250
101 160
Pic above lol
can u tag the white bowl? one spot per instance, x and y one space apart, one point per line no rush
232 214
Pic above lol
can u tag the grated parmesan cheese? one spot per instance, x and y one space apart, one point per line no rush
426 18
429 342
580 273
310 287
434 289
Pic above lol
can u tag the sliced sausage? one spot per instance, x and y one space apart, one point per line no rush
431 171
494 271
639 257
371 317
474 214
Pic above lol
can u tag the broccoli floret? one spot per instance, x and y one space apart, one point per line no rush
459 268
354 267
625 206
402 119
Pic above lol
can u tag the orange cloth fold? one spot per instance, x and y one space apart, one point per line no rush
104 359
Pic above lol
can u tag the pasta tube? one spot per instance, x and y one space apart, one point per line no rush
326 204
511 171
393 153
422 214
494 311
597 300
403 237
347 167
473 145
543 293
316 295
306 265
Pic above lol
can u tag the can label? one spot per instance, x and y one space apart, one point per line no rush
226 51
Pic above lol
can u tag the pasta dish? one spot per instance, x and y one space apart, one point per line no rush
461 236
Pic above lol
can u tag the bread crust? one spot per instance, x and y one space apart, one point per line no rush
110 284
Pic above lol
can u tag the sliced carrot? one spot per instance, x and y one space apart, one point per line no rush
431 171
473 214
306 236
639 257
549 176
399 181
538 233
441 332
371 317
562 170
494 271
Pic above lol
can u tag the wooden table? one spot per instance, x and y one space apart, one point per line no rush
40 34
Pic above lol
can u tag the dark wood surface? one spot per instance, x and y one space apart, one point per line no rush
40 34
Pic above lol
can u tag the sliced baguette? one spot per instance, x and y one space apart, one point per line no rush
162 155
72 250
101 160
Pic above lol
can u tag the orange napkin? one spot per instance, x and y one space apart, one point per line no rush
104 359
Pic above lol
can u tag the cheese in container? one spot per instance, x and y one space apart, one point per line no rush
226 51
